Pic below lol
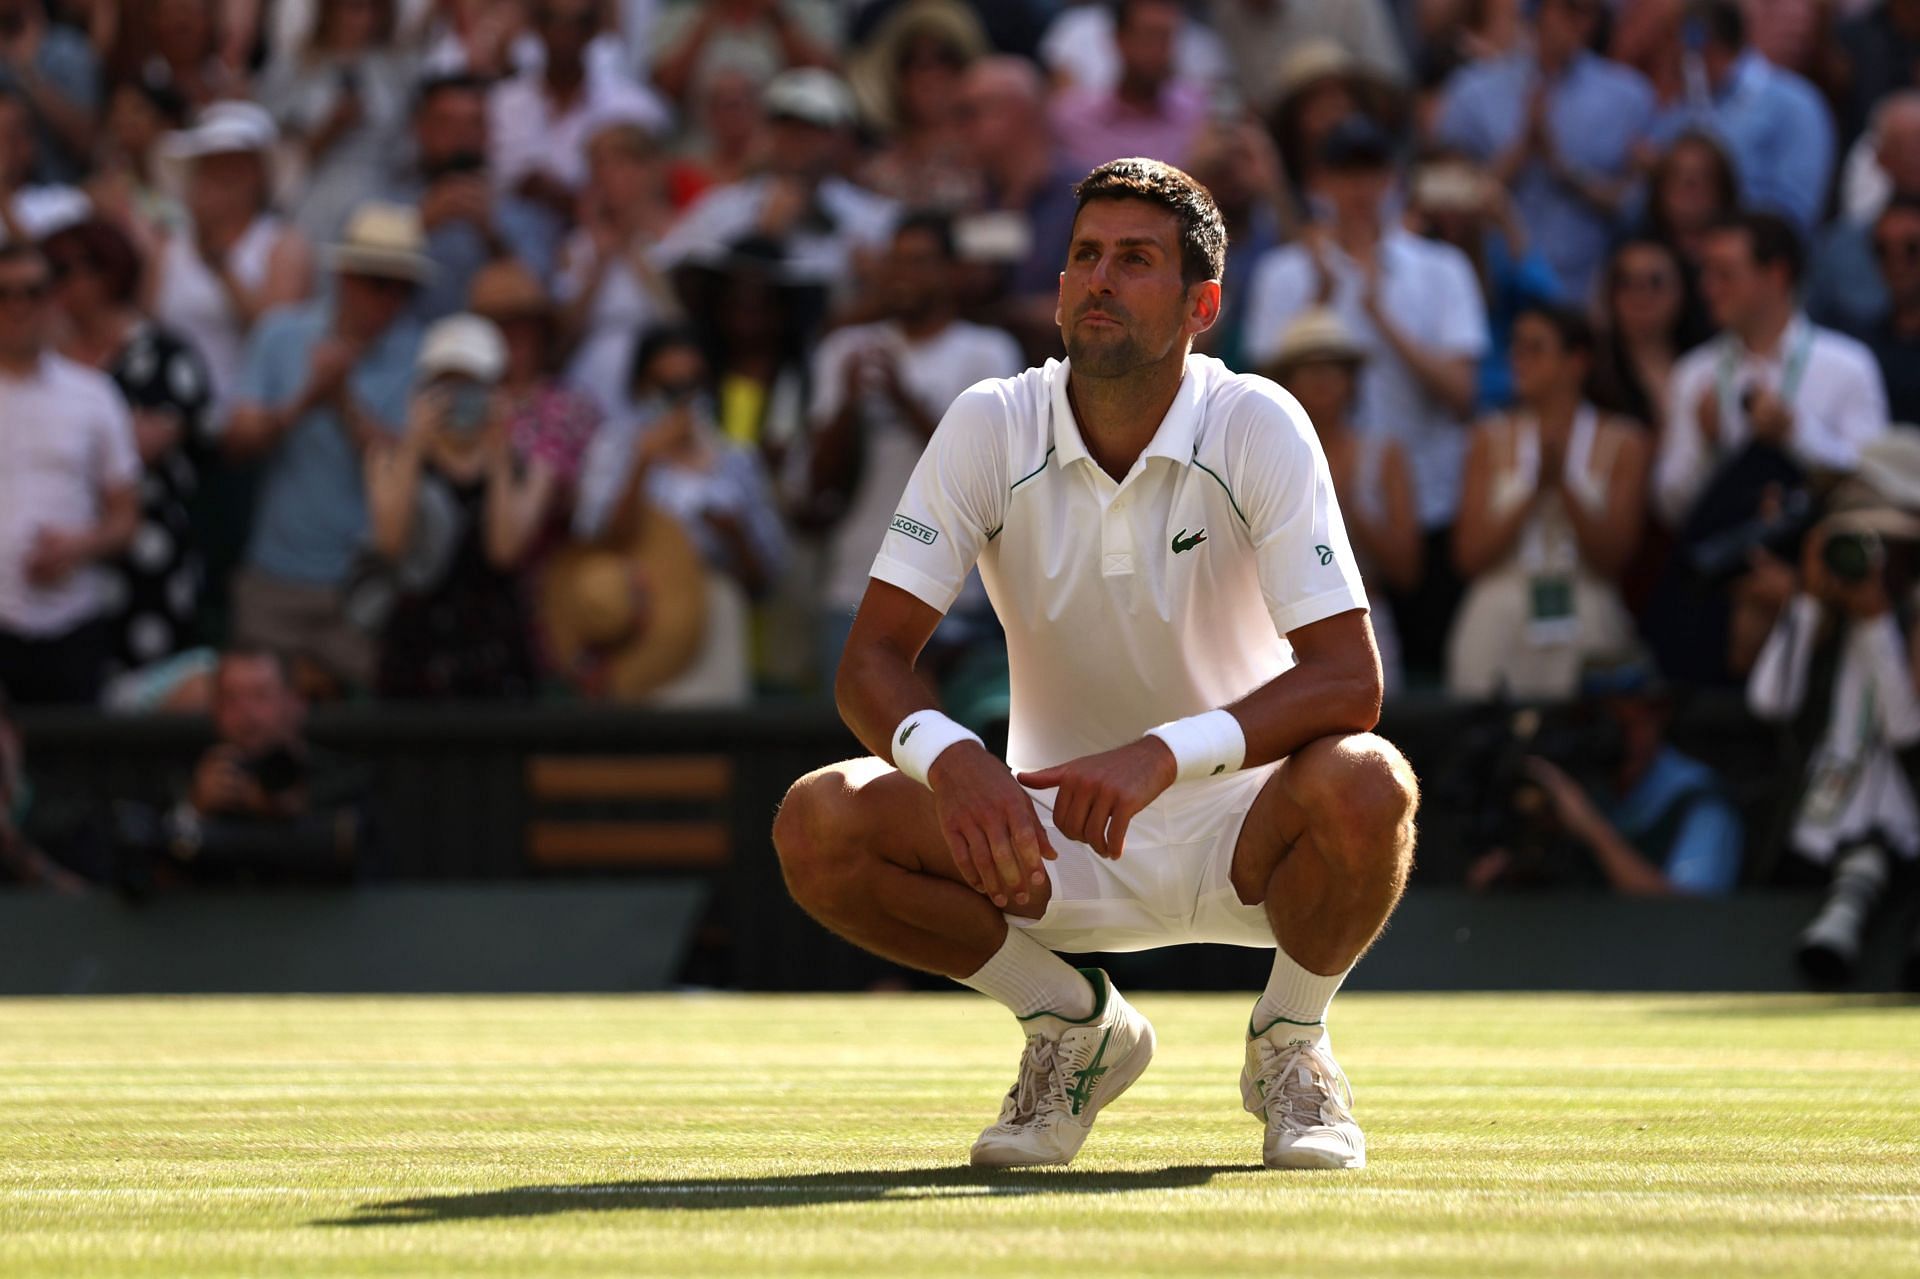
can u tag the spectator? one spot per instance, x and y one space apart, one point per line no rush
1415 308
1236 161
263 802
450 521
1660 825
609 286
1845 288
1771 379
1081 49
467 223
1558 124
1774 124
1319 362
1320 84
1646 326
768 36
52 70
342 101
1693 187
322 383
540 118
670 456
1455 202
1025 217
21 861
1878 51
818 223
1259 34
1841 654
236 259
29 208
69 498
1895 340
1550 515
549 425
174 46
908 80
126 184
1149 111
878 392
757 327
96 278
729 136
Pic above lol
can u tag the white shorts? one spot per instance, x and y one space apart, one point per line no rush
1171 884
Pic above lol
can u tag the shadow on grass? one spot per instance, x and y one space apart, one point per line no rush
894 1184
1794 1005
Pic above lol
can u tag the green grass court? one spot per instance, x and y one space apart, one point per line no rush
1509 1135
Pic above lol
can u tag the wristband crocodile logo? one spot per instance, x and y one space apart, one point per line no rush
918 532
907 732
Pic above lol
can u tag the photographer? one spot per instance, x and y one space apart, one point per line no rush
1656 822
1841 651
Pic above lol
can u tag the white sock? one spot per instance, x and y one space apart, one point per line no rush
1029 979
1295 995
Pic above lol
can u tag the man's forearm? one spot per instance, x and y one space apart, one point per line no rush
1626 870
1442 377
1310 701
877 687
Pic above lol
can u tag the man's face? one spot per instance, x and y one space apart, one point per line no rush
1145 40
991 118
1355 194
228 184
1564 26
1733 283
452 124
1123 305
1898 148
1896 246
800 149
1324 388
567 25
371 303
23 305
919 275
253 707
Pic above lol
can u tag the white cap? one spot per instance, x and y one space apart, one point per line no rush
464 344
811 94
224 128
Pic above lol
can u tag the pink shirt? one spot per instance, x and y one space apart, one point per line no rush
1094 128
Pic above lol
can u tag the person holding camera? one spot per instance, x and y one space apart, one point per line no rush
1841 651
1653 821
257 767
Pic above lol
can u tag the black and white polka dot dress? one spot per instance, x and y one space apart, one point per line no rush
155 586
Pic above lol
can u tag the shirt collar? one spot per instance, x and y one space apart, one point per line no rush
1174 440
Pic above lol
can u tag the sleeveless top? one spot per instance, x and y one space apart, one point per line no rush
193 303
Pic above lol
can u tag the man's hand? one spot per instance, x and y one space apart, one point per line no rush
332 360
457 197
56 554
990 825
1769 418
1862 600
1100 794
1571 807
222 785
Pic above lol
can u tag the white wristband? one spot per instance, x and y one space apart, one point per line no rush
1205 744
920 738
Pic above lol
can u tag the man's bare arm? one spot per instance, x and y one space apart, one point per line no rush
989 822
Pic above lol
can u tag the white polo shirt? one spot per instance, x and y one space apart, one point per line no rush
66 437
1132 603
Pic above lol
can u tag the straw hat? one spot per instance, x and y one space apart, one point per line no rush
1891 464
874 70
1318 334
640 608
1310 62
506 290
383 240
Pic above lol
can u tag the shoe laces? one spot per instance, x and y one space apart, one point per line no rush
1302 1087
1038 1088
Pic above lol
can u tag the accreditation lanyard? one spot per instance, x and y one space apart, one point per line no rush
1791 374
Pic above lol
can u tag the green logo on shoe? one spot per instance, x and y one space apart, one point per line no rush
1087 1078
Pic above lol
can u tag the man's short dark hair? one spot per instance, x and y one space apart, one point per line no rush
282 664
105 249
1725 24
450 82
929 222
1203 236
1771 239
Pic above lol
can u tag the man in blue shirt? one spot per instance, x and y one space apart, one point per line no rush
1664 826
321 380
1775 125
1558 124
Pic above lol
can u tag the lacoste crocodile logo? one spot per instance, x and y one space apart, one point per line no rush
907 732
1181 542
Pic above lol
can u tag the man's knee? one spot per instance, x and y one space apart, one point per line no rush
810 836
1360 796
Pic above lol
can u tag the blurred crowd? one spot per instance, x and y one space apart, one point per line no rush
457 349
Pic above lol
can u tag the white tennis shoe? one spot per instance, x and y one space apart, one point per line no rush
1292 1081
1068 1073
